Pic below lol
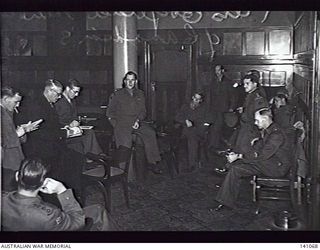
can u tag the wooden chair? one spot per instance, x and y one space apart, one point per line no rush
288 187
109 171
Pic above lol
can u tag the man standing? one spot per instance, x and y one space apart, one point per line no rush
221 100
254 99
48 143
195 121
11 137
270 156
68 116
126 112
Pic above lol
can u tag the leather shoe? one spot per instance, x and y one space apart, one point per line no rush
219 208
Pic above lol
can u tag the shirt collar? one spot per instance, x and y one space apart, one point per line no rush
269 129
68 99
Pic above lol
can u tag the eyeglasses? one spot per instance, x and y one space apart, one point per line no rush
56 92
131 80
75 91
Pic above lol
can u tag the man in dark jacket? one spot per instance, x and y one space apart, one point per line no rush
247 131
126 112
195 121
24 210
221 99
68 116
48 142
269 156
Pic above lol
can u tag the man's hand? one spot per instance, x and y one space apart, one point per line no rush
51 186
31 126
232 156
189 123
20 131
240 110
136 125
74 123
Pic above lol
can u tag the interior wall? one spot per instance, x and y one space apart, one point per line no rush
39 45
62 45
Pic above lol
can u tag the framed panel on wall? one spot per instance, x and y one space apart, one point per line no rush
279 42
232 43
255 43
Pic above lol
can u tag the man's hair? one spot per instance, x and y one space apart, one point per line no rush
254 72
8 91
73 83
198 93
252 77
265 112
125 77
221 66
32 174
282 96
52 83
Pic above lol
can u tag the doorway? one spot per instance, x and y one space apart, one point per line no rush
169 79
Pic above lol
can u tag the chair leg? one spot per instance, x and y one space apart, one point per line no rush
254 188
299 186
168 162
106 191
124 183
175 161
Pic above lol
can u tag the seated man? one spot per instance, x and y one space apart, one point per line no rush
126 111
195 121
270 156
68 115
24 210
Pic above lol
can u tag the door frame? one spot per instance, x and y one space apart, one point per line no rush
314 216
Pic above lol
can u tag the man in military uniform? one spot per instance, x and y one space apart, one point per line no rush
247 131
285 116
269 156
24 210
11 136
126 112
195 121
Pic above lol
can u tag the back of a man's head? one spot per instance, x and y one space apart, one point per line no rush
8 91
31 175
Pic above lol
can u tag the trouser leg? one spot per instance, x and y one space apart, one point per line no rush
229 191
90 142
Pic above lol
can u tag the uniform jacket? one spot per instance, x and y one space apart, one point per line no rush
254 101
124 109
67 111
271 151
22 213
197 116
284 116
11 152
